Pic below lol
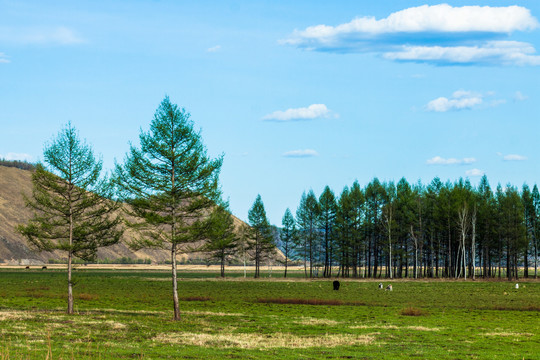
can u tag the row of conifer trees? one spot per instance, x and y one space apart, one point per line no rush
451 230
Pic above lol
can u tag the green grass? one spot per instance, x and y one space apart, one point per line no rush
127 315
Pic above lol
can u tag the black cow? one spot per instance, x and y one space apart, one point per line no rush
43 268
336 285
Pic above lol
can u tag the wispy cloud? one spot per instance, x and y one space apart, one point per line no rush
16 156
59 35
300 153
463 100
438 34
437 160
4 59
514 157
313 111
518 96
475 172
214 49
489 53
458 101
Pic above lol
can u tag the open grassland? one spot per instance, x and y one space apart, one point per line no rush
127 314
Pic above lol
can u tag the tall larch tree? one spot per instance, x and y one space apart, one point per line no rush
327 218
261 238
307 218
288 236
170 184
71 203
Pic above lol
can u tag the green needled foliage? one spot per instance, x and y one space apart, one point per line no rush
71 204
288 235
260 236
222 240
169 183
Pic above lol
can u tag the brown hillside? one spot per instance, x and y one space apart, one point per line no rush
14 248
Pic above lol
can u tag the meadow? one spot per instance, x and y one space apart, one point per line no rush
126 314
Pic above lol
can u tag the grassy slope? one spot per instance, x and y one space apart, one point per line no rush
126 314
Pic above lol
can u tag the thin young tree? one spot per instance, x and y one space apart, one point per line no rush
170 184
72 207
261 239
327 219
307 218
288 235
222 240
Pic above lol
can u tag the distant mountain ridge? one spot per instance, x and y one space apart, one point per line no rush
14 249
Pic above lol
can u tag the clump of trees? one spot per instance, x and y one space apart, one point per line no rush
404 230
24 165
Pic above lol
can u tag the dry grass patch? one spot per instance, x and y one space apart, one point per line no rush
211 313
374 327
422 328
315 321
508 334
265 341
14 315
394 327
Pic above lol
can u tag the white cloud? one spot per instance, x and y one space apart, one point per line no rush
16 156
306 113
475 172
518 96
436 18
59 35
489 53
437 160
214 48
514 157
300 153
458 101
4 59
439 34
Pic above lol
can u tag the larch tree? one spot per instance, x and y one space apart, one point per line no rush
261 238
327 218
288 235
169 184
307 218
220 232
71 203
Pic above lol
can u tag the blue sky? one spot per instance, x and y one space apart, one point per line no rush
296 94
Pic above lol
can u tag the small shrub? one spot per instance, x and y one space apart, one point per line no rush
412 311
85 296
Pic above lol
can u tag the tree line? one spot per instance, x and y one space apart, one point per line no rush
403 230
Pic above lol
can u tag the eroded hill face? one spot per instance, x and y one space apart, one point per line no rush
14 248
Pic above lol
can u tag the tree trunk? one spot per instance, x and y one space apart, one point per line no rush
175 284
473 240
70 253
223 266
70 283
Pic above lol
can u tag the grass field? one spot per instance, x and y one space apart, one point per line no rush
126 314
